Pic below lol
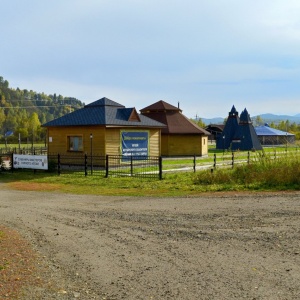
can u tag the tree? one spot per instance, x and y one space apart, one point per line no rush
199 122
17 115
258 121
34 122
2 117
35 126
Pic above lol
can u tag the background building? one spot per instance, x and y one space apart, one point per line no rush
180 136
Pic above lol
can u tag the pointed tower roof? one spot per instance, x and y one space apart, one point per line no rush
230 130
245 117
238 133
233 112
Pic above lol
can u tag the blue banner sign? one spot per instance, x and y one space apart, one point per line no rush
135 144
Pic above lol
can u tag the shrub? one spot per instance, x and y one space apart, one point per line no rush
265 172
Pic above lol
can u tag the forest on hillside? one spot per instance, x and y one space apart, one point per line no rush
22 112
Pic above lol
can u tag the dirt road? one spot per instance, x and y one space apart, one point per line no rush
209 247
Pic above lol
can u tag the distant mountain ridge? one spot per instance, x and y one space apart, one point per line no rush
267 118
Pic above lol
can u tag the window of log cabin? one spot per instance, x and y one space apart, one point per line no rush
75 143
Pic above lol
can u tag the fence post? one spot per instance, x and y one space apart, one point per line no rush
194 163
85 164
12 162
34 170
106 166
215 160
232 159
58 163
131 165
160 167
248 157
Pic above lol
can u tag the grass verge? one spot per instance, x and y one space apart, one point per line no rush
266 174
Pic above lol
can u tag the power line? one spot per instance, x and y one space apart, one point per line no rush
16 107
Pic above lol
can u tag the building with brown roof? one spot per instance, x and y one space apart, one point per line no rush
181 136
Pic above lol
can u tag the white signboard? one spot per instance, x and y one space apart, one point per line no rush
37 162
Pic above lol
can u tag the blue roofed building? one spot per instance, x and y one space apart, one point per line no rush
271 136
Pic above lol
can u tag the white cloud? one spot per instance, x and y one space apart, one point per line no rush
207 55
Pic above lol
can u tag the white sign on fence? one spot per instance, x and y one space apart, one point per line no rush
37 162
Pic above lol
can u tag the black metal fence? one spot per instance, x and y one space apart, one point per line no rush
136 166
142 166
109 165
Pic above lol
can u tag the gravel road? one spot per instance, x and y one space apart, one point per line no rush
236 246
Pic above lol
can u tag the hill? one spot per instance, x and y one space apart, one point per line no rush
269 118
266 118
23 111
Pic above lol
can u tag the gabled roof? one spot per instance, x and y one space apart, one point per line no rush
160 106
267 130
171 116
104 112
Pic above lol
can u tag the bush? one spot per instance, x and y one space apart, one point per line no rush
265 173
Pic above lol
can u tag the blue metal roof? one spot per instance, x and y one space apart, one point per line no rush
103 112
267 130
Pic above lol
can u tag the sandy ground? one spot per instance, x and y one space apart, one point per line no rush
235 246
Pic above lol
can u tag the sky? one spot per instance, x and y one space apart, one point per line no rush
206 55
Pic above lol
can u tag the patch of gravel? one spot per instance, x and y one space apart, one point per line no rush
224 246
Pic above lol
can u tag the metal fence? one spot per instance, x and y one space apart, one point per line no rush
85 164
135 166
109 165
24 150
144 166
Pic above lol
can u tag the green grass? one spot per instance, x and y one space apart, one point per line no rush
265 174
262 174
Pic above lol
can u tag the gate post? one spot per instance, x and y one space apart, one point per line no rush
58 163
85 164
160 167
106 166
131 165
12 162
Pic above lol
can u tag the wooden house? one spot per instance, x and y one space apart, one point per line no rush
104 127
181 136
